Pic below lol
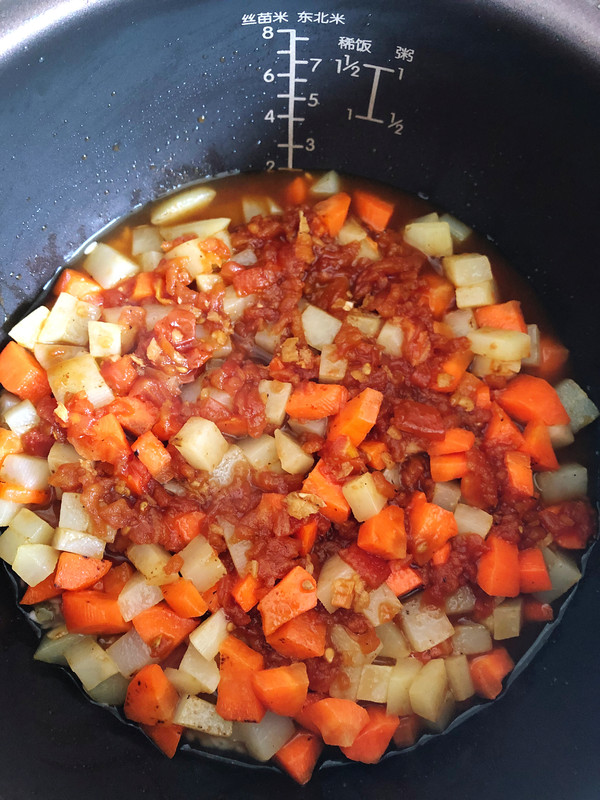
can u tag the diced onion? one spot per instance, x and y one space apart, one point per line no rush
446 494
263 739
80 374
567 482
320 328
208 637
31 472
137 595
472 520
563 572
90 662
22 417
130 653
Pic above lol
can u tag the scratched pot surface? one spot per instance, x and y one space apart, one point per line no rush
473 106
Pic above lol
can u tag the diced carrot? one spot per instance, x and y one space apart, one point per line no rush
506 316
357 417
553 357
520 476
374 452
116 578
307 534
488 670
79 572
498 568
151 698
77 284
296 192
10 443
407 731
529 398
282 690
135 415
247 591
537 444
295 593
533 572
430 527
253 279
303 716
21 374
473 389
374 211
339 721
187 526
442 555
456 440
302 637
448 467
144 287
501 430
536 611
41 591
185 600
333 211
154 456
240 655
318 482
439 296
373 740
453 370
403 578
173 565
311 400
384 534
236 698
299 756
166 736
90 611
162 629
21 494
120 374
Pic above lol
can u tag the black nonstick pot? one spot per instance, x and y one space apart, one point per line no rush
490 109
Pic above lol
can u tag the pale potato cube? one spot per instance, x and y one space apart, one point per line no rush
367 324
196 259
401 677
292 457
201 565
184 682
90 662
346 682
460 232
105 339
145 239
461 602
566 483
238 548
472 520
62 453
151 560
327 184
67 321
267 339
137 595
391 338
318 427
320 328
233 462
374 682
201 443
459 677
208 637
27 331
561 435
508 617
34 562
72 513
476 295
24 528
482 366
534 357
428 690
383 606
108 266
234 305
200 715
425 625
393 641
364 498
182 204
462 321
333 570
49 355
261 452
331 368
563 572
22 417
432 238
263 739
255 206
467 268
274 395
581 410
445 714
84 544
471 638
446 494
351 231
206 282
80 374
203 670
499 344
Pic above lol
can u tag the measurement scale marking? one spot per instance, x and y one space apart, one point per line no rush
378 70
291 95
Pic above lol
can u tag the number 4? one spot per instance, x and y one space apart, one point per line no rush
270 115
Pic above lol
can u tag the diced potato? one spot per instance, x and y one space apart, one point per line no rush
201 565
137 595
263 739
364 498
349 650
482 366
563 572
499 344
351 231
183 681
508 617
446 495
196 259
318 427
334 570
108 266
432 238
201 443
331 368
200 715
367 324
208 637
72 513
274 395
111 692
145 239
534 357
27 331
345 683
462 321
467 269
390 339
62 453
130 653
246 258
428 690
461 602
581 410
24 528
53 644
22 417
254 206
561 436
24 470
151 560
459 677
472 520
424 625
201 228
433 216
203 670
445 714
234 305
383 606
329 183
34 562
393 641
84 544
292 457
80 374
458 230
68 320
261 452
206 282
105 339
569 481
320 328
182 204
90 662
471 638
374 682
402 676
267 339
8 512
49 355
479 294
238 548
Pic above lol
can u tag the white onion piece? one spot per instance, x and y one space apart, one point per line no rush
263 739
84 544
563 572
72 513
137 595
130 653
208 637
7 400
27 331
34 562
22 417
472 520
28 471
111 692
62 453
8 511
567 482
446 494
